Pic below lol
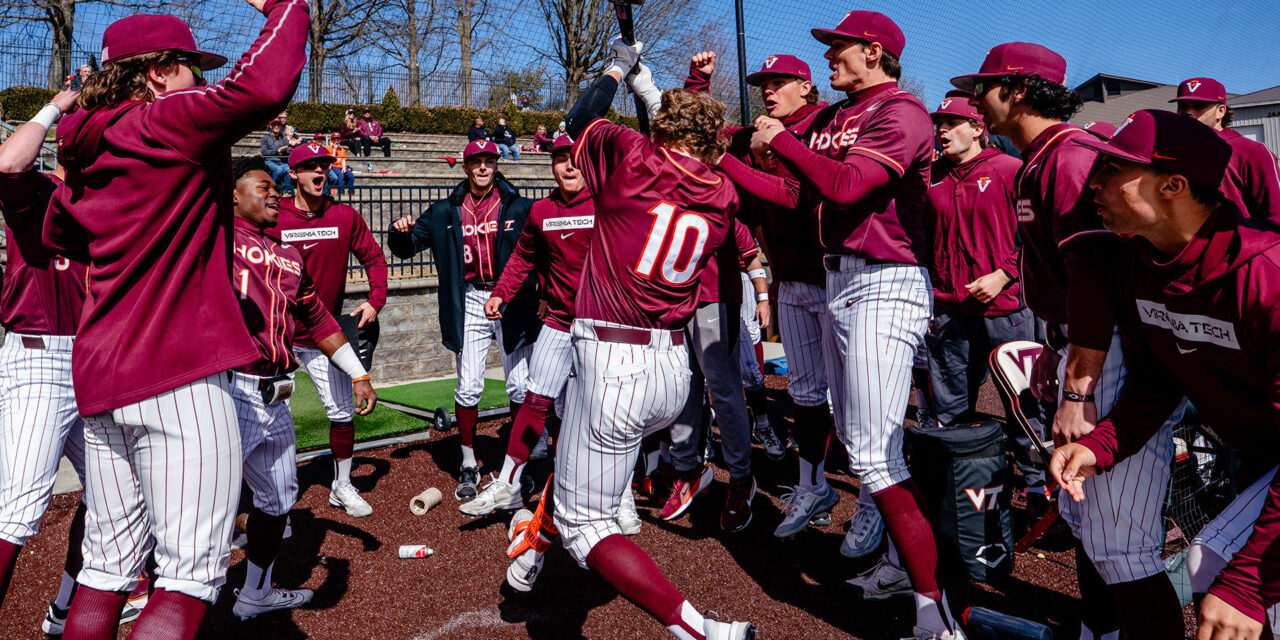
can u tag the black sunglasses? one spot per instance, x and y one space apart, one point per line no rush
195 68
311 165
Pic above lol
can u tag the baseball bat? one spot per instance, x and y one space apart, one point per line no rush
627 27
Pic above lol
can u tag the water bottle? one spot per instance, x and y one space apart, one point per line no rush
993 625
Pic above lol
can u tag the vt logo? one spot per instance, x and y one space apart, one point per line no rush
1192 85
945 103
983 183
984 499
768 63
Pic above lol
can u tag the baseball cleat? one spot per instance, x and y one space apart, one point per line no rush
527 562
345 496
496 495
684 490
737 505
880 582
802 507
925 634
773 448
468 480
716 630
628 519
274 600
55 620
866 531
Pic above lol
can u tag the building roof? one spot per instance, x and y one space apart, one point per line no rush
1265 96
1117 108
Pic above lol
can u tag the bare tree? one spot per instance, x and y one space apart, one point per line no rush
59 16
477 23
406 29
580 32
336 25
912 85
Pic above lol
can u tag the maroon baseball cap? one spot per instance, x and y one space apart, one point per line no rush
1171 142
958 107
481 148
1201 90
136 35
869 26
780 65
1104 130
318 136
1016 59
562 145
309 151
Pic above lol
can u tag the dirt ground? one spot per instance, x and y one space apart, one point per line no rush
363 590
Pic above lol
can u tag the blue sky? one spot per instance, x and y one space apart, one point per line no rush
1237 42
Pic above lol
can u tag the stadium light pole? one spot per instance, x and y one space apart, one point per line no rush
744 102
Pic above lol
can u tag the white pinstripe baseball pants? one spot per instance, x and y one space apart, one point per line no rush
619 394
1120 520
40 423
332 383
478 332
551 362
163 471
269 444
879 314
1227 533
804 323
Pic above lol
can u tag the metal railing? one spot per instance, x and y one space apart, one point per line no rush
383 204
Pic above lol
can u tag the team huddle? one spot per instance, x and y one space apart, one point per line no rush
158 297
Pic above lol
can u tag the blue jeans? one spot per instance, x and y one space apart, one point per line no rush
280 173
514 150
342 179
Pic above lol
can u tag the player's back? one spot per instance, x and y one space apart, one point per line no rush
660 216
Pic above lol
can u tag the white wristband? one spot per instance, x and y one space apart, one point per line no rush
345 359
762 297
48 116
756 273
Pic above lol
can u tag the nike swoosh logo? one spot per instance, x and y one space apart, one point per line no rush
1018 323
308 246
1186 351
934 184
566 235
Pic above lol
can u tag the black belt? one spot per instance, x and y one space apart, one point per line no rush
483 286
831 261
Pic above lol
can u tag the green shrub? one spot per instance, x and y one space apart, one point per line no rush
22 103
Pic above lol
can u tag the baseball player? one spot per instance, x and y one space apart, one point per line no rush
147 202
553 245
1195 296
278 299
969 216
1252 181
788 94
865 172
661 212
1019 93
472 234
326 232
716 369
39 307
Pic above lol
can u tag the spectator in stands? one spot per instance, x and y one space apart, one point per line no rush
290 132
341 177
371 134
506 139
75 82
349 132
478 132
275 149
559 132
541 140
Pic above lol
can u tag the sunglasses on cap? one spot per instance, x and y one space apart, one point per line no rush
195 69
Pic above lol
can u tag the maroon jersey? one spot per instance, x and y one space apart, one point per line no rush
479 221
1252 182
148 202
720 280
277 298
660 217
1206 324
1064 241
326 238
43 292
554 244
891 127
972 231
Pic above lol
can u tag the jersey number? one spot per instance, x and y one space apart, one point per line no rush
1025 212
466 254
672 231
244 284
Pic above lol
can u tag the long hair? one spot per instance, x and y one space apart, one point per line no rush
691 120
123 80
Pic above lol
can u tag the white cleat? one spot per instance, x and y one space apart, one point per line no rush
345 496
866 531
925 634
274 600
628 518
495 495
716 630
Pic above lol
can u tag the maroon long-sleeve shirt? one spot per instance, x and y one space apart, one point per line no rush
325 238
1064 241
1252 181
719 280
279 301
148 201
554 244
1205 324
972 231
43 292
